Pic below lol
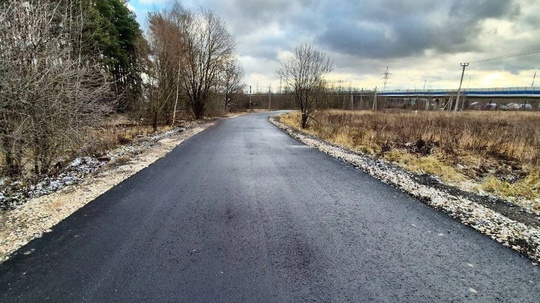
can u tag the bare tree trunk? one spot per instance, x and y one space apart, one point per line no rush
155 121
177 95
305 117
12 156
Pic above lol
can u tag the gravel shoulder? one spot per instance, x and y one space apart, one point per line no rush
504 222
39 215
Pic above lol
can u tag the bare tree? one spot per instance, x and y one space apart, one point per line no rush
49 98
231 81
207 47
166 44
190 53
303 75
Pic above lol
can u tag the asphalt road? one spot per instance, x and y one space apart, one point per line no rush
243 213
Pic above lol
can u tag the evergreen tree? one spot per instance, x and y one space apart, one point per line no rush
110 36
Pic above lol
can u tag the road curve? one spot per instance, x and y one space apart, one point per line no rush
243 213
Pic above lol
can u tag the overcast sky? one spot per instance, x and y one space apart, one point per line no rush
422 42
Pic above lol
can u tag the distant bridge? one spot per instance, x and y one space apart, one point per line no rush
509 92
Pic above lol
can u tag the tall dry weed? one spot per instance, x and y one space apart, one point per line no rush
484 146
501 135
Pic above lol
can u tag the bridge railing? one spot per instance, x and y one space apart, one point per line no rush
501 91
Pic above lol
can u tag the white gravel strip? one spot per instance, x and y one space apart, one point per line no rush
510 233
39 215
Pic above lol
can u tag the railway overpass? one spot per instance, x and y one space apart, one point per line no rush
508 92
405 99
479 97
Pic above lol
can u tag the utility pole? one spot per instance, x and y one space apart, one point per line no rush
339 94
269 97
250 98
352 101
426 98
464 65
375 101
280 94
178 94
532 85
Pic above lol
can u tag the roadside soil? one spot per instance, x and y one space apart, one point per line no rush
39 215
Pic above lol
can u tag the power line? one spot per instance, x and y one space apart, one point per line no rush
386 75
518 54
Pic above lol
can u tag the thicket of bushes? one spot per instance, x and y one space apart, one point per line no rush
65 65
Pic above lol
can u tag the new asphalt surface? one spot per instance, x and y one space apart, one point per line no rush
243 213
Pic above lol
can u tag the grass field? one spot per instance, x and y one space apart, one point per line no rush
496 152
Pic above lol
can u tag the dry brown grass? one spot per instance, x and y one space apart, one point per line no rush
499 150
117 131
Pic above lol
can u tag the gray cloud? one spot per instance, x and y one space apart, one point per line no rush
373 29
363 36
384 28
401 29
